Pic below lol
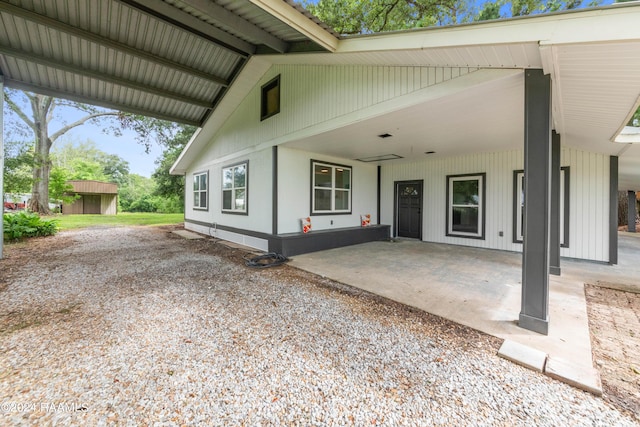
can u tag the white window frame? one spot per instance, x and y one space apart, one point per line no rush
564 206
333 168
481 178
198 190
244 210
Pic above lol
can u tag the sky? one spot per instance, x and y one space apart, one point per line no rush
125 146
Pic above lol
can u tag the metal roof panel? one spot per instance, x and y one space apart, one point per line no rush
163 51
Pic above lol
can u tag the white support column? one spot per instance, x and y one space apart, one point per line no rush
2 161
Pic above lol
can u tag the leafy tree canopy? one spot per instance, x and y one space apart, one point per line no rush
167 185
84 160
18 166
635 119
372 16
35 113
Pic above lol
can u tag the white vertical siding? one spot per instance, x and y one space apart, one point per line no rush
589 195
294 192
588 204
499 169
259 191
314 94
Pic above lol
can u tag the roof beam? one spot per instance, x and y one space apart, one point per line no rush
16 84
95 38
185 21
296 20
78 70
227 18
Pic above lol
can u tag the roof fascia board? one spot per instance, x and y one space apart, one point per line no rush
585 26
94 101
177 168
296 20
242 86
239 24
95 38
171 14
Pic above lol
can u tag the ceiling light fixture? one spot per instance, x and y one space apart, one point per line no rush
379 158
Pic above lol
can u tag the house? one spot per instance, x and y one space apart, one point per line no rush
93 197
437 134
430 132
424 130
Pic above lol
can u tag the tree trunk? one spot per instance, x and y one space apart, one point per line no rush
623 208
42 162
42 108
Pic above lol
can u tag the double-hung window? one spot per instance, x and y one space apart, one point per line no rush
330 188
465 205
519 199
235 182
200 185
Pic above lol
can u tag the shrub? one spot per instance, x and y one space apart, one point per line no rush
26 224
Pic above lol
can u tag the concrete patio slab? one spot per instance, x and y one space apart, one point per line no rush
577 376
523 355
479 288
186 234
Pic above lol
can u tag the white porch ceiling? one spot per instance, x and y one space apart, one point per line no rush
485 118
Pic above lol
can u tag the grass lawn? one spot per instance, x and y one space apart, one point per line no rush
124 219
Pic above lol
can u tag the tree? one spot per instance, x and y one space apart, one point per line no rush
59 189
18 166
363 17
41 114
167 185
38 114
135 188
84 160
635 119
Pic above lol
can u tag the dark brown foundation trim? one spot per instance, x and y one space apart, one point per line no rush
299 243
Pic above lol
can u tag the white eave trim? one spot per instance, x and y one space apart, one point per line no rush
606 24
241 87
294 19
176 169
629 135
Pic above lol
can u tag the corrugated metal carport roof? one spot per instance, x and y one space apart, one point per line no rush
171 59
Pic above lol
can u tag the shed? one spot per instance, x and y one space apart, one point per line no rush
96 197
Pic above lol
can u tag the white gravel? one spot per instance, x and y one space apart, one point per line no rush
134 326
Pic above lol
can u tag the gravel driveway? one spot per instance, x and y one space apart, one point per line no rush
135 326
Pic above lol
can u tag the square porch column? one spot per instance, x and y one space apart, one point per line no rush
534 314
631 224
554 231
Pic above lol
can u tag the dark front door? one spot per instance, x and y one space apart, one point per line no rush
409 209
